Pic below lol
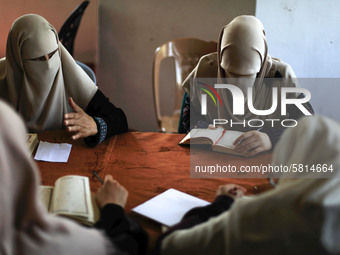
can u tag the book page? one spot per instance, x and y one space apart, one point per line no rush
185 140
72 196
212 134
96 209
45 193
228 138
169 207
32 141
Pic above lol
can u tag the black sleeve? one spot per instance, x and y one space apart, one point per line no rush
199 215
274 135
123 232
190 121
107 115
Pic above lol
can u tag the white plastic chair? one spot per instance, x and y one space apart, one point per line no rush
186 53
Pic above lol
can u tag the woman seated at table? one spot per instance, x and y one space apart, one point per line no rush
27 228
241 60
301 215
42 81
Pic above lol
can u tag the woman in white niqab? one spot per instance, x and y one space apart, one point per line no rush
241 59
38 77
299 216
25 225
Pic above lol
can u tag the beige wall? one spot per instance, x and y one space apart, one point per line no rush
56 12
131 30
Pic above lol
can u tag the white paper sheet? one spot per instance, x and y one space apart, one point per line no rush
169 207
53 152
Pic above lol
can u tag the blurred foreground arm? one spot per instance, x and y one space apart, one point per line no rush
122 231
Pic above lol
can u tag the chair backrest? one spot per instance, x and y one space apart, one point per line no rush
69 29
88 71
186 53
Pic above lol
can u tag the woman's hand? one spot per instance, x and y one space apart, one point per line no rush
252 143
111 193
232 190
79 122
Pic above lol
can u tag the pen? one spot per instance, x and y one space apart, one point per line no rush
100 179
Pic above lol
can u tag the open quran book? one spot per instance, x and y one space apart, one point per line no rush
221 140
71 197
32 141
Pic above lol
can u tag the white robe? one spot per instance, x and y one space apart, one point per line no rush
25 225
299 216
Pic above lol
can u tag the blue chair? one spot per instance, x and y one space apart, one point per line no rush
88 71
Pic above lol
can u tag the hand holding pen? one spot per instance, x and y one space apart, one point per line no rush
111 192
98 177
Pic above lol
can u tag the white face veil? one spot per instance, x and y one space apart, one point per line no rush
39 88
25 225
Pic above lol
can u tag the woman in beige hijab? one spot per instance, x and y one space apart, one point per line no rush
242 60
25 225
41 80
301 215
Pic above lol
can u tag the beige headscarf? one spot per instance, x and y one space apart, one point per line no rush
243 48
39 90
242 60
299 216
25 225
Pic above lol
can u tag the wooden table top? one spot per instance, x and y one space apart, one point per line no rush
147 164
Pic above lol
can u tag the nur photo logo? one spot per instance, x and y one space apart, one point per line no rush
281 99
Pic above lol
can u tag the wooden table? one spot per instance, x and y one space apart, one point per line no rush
146 164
